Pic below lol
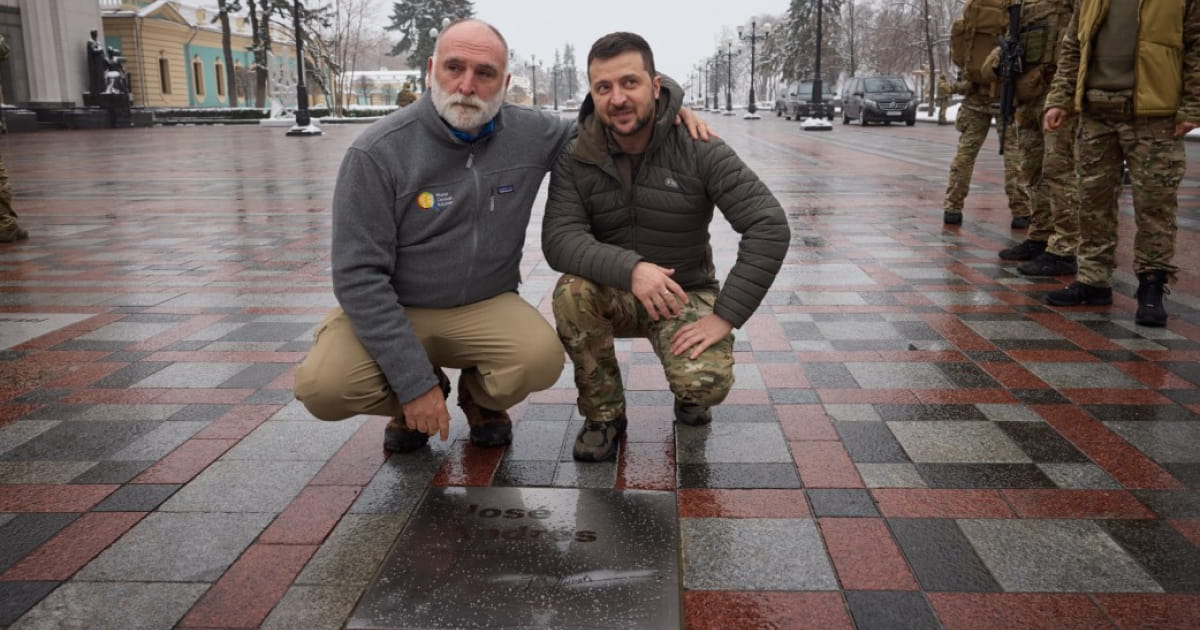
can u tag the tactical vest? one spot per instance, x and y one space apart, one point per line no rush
1043 26
973 37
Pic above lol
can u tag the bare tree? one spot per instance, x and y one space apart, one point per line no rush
338 46
224 8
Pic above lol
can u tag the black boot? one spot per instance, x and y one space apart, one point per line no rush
1078 293
1152 285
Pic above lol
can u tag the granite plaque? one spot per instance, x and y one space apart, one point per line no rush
530 558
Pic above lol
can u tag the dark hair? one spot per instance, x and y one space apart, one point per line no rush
618 43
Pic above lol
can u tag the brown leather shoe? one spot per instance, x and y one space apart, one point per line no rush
488 426
398 438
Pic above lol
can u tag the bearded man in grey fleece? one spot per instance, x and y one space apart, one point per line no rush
429 219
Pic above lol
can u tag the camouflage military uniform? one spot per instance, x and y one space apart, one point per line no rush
943 98
1048 164
590 315
975 115
9 230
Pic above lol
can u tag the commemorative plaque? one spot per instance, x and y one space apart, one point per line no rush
530 558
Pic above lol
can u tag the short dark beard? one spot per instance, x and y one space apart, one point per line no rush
638 125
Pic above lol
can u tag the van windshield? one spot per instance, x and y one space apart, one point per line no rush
884 85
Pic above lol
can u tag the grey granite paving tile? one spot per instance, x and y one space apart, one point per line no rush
870 442
747 377
956 442
270 397
1176 442
941 558
1142 413
400 482
18 597
136 497
91 605
192 375
984 476
250 486
126 331
274 331
1079 476
167 547
313 608
87 345
744 413
842 502
961 298
852 413
1188 370
130 374
994 330
1171 503
538 440
785 396
547 412
42 395
293 410
24 532
967 375
112 472
157 443
301 441
1008 413
1011 345
1040 397
114 413
890 475
1042 443
851 330
891 610
572 474
915 413
728 443
352 553
829 376
1189 474
1161 550
754 554
256 376
201 412
513 473
41 472
896 375
6 518
80 441
738 476
1092 375
1054 555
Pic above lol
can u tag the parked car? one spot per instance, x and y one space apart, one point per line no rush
793 102
878 99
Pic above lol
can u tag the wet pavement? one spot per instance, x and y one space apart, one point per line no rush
914 439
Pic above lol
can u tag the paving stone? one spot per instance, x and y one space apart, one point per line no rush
1083 376
956 442
313 608
24 532
158 442
136 498
729 443
984 476
18 597
891 610
1079 476
941 557
142 606
841 502
898 376
870 442
80 441
244 486
352 553
738 476
754 554
1171 559
1174 442
192 375
296 441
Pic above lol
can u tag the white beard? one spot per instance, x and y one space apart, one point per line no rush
464 113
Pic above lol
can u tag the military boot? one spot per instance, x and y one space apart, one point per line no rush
1027 249
692 414
1078 293
1152 285
398 438
597 440
489 427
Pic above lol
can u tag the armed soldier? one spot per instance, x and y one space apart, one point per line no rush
10 231
1132 71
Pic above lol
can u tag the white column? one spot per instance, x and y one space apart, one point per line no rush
56 34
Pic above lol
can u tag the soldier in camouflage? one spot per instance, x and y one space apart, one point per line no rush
10 231
1132 71
975 115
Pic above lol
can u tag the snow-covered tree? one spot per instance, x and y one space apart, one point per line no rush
413 19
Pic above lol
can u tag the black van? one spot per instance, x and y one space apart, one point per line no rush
878 99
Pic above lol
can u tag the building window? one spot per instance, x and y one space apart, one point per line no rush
219 71
164 75
198 77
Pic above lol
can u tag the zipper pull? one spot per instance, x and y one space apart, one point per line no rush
470 159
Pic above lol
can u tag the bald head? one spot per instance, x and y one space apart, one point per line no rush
468 74
475 35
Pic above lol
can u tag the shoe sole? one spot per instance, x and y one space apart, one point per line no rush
487 437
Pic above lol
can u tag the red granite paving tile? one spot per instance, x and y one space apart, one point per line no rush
1153 375
245 595
1053 356
1076 504
1151 611
920 356
957 333
82 375
555 396
726 610
468 465
650 424
1193 408
912 298
176 333
1018 611
1076 425
1074 332
824 465
10 412
1170 355
747 397
1189 527
1129 466
1096 396
52 498
867 396
964 396
865 556
359 458
287 380
238 422
310 516
783 375
185 462
200 356
646 376
805 422
112 396
646 466
51 339
188 396
752 503
823 356
941 503
1013 375
766 334
64 554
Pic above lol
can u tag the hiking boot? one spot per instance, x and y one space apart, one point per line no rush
1152 285
952 218
597 441
489 427
13 233
1047 264
1019 223
398 438
1027 249
1078 293
692 414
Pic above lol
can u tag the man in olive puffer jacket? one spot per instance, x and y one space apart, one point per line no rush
627 222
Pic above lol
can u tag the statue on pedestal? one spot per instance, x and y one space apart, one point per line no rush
106 74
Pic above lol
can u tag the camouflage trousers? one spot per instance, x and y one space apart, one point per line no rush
8 217
1156 162
1048 169
590 316
975 116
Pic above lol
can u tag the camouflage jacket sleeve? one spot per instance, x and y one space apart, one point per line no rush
1189 106
1062 87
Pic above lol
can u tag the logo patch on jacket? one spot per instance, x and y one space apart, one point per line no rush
435 201
504 190
671 183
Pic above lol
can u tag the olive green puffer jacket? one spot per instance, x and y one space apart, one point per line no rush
597 228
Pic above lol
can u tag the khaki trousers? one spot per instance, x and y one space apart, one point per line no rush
503 345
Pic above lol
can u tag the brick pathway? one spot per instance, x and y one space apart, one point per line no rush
914 441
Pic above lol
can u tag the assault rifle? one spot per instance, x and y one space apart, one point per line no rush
1011 54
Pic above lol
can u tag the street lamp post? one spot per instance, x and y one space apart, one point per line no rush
753 39
533 74
554 85
729 78
713 66
304 125
816 120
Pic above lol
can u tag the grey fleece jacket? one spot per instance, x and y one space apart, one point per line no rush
424 219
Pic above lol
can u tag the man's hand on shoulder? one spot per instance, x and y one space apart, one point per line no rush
699 335
697 128
427 413
659 294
